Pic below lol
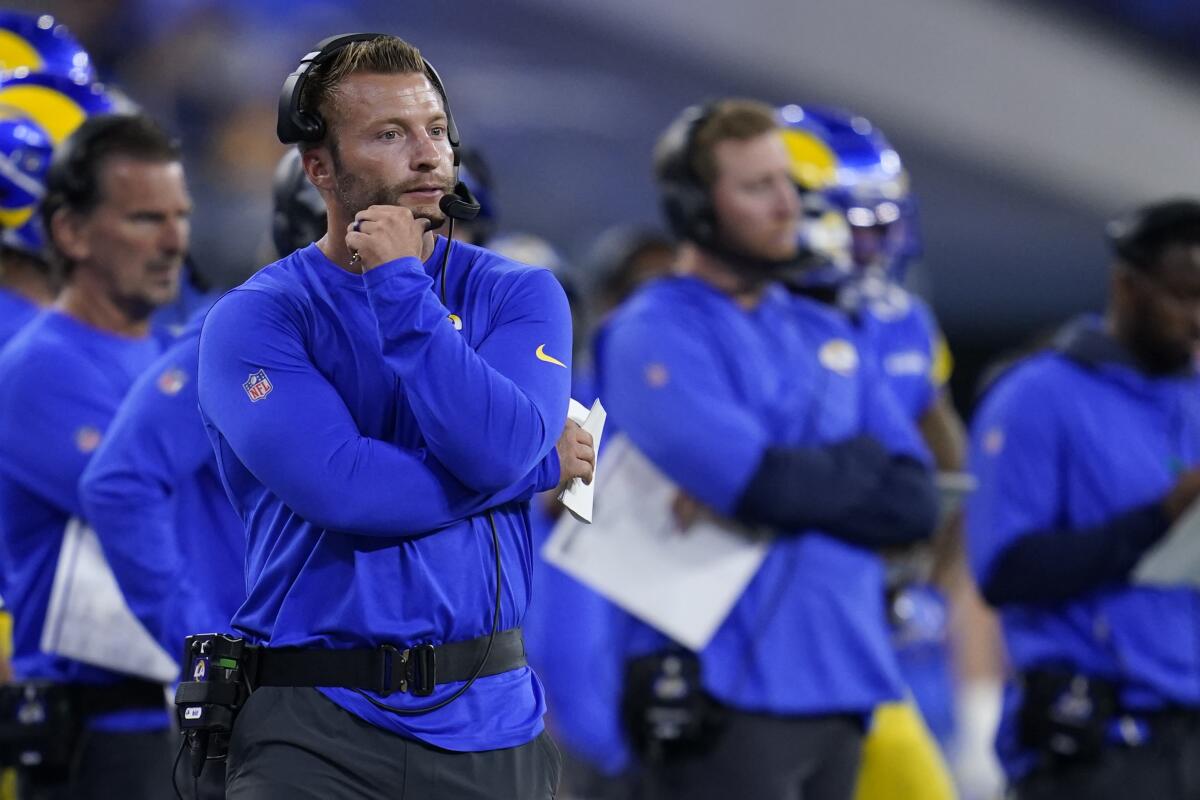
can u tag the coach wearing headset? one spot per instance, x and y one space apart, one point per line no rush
758 405
383 404
1086 453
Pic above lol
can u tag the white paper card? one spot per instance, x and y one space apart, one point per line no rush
1175 560
682 583
578 497
88 619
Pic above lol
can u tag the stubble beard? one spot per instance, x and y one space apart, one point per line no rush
355 194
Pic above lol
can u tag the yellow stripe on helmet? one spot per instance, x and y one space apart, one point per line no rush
58 114
814 164
16 52
13 218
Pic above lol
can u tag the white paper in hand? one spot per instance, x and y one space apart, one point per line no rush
682 583
578 497
88 619
1175 560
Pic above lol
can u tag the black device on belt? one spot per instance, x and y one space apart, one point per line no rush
1065 714
666 712
40 721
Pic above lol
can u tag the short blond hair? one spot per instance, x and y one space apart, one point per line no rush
385 55
733 119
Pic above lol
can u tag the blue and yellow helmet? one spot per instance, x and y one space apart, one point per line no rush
37 111
38 43
825 232
852 166
25 151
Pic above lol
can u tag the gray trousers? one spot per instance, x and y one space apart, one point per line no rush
759 757
294 743
131 766
1165 768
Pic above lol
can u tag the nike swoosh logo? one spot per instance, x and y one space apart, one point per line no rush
541 355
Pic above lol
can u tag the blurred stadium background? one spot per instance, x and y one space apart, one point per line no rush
1024 125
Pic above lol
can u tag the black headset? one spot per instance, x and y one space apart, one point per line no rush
295 124
1135 236
686 201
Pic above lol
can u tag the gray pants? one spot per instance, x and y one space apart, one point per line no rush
760 757
294 743
132 766
1165 768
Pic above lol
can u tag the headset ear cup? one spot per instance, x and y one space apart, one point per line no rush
311 125
688 212
702 217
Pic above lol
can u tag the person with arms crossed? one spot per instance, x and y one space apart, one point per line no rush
759 406
152 492
116 212
1086 453
383 405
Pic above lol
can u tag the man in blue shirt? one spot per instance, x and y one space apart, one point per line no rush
759 406
383 404
152 491
1086 454
116 210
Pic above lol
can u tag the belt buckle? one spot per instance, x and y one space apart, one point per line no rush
423 677
389 671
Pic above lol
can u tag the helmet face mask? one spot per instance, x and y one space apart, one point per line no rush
25 152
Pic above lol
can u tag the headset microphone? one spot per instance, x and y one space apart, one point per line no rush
460 204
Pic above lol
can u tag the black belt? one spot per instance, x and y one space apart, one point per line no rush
387 669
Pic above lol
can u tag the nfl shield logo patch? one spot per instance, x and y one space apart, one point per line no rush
257 386
172 382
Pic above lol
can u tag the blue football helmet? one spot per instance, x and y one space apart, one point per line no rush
866 182
38 43
37 111
25 151
825 233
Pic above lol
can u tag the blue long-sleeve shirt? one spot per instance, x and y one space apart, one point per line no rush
152 494
61 382
1072 442
362 428
704 388
903 333
15 313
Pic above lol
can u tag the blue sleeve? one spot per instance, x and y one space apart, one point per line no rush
1021 545
488 415
1016 450
301 442
874 490
665 390
53 414
852 490
155 443
1053 566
